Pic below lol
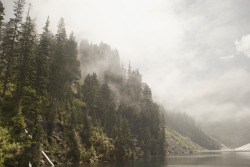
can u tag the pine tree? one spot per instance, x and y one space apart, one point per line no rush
58 73
90 93
146 93
44 56
1 49
10 45
133 86
45 95
1 17
106 108
72 65
26 58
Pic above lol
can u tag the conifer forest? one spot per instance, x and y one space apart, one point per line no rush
66 100
72 100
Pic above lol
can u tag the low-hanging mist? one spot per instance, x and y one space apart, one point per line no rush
194 54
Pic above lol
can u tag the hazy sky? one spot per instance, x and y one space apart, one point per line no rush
194 54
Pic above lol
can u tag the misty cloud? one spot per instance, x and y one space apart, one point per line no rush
220 98
192 53
243 45
226 58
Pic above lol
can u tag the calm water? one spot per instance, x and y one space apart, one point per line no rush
204 159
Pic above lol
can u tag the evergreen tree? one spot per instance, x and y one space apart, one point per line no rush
123 140
90 89
72 66
146 93
133 87
10 45
1 49
58 71
1 17
26 58
45 105
106 108
44 56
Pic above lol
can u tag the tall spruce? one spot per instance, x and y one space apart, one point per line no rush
106 118
11 45
1 31
1 17
44 55
26 100
72 65
133 86
90 93
26 58
58 71
106 108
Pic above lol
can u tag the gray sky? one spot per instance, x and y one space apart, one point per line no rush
194 54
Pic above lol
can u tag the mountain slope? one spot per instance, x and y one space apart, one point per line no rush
186 126
178 144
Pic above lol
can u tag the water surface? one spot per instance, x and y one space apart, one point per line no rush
203 159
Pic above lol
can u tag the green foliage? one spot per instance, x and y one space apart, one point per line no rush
44 105
102 144
72 63
186 126
1 17
10 46
44 52
26 58
89 155
73 153
123 141
8 148
106 108
18 125
181 140
90 93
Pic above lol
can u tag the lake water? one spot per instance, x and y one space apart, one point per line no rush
203 159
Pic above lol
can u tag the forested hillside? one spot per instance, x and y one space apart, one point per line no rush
186 126
107 113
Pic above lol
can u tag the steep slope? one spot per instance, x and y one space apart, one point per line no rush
107 113
186 126
178 144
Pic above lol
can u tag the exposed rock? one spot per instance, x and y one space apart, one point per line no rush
175 148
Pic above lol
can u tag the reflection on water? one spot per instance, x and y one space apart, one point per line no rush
204 159
211 159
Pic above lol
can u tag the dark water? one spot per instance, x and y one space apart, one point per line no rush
204 159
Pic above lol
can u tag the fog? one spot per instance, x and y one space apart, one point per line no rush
194 54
